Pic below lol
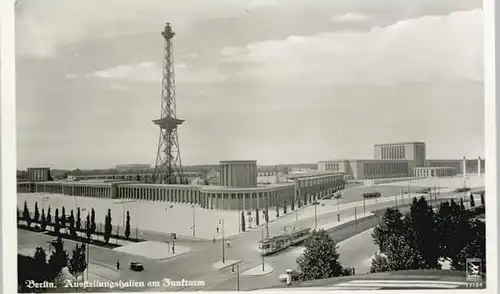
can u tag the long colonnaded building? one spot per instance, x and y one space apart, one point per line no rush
238 190
399 160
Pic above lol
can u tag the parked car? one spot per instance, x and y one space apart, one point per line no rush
371 195
466 189
136 266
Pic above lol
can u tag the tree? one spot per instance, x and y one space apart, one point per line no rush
107 226
257 216
58 259
482 198
422 232
49 217
320 258
391 224
40 255
71 221
475 247
88 227
43 221
40 264
78 220
472 204
92 221
127 226
380 263
78 263
401 255
26 214
57 224
37 213
63 217
243 225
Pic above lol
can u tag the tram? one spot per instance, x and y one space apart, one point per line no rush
276 243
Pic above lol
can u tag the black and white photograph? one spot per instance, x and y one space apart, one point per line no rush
257 145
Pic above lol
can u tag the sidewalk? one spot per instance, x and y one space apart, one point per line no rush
153 250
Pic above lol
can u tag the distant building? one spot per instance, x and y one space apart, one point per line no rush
38 174
238 173
398 160
412 151
126 167
442 171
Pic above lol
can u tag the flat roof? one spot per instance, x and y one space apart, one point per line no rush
145 185
256 188
381 160
399 143
316 174
238 161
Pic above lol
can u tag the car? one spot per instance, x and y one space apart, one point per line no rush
315 203
295 276
136 266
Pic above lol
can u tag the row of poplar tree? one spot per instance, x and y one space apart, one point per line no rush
70 222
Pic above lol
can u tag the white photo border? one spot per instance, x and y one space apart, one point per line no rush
8 238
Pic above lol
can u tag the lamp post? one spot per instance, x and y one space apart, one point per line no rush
237 275
221 222
262 248
356 219
315 216
194 220
338 209
364 205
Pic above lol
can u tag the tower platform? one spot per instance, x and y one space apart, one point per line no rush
168 123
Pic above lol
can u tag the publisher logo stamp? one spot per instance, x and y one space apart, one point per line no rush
473 272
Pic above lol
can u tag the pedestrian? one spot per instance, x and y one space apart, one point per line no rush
213 240
118 265
228 244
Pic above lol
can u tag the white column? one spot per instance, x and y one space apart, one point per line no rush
464 167
479 166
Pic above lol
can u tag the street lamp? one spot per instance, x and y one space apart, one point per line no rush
237 275
221 222
262 248
338 208
193 227
315 215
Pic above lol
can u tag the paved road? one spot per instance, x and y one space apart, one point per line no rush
197 265
287 259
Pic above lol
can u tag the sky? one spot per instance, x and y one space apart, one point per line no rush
278 81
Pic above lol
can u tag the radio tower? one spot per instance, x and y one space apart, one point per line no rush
168 168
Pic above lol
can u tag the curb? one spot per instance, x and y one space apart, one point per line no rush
258 275
226 266
171 257
86 244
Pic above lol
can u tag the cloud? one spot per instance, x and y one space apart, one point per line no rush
147 72
46 27
427 49
349 17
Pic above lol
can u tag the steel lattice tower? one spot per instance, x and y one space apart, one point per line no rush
168 168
